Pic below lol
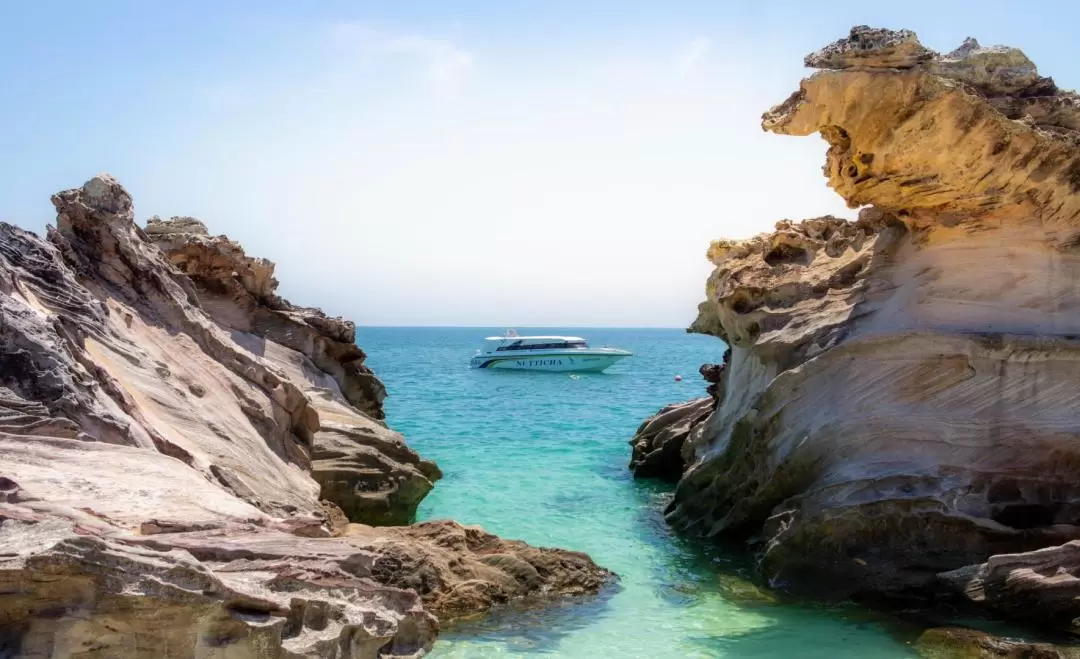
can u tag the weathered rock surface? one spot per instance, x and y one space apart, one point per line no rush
657 445
901 396
962 643
1041 586
361 465
158 441
248 591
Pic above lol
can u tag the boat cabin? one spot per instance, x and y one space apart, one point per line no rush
518 343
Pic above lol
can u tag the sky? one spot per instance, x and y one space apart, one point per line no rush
450 162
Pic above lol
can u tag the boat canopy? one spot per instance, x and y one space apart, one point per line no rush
534 338
506 343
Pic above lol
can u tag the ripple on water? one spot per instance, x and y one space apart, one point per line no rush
542 457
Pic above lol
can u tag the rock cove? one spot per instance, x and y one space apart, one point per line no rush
899 415
192 466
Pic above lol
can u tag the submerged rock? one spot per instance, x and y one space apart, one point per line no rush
901 396
962 643
173 453
743 591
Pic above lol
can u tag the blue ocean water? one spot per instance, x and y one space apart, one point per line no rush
542 457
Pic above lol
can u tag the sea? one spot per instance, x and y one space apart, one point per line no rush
542 457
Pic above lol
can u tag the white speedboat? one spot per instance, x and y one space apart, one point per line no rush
544 353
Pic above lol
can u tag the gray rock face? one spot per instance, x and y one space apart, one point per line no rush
1041 586
658 443
157 456
871 47
995 71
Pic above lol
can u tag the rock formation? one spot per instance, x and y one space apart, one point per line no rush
901 399
1040 586
254 591
176 451
659 441
962 643
360 465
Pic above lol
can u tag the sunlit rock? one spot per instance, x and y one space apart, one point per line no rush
901 399
176 448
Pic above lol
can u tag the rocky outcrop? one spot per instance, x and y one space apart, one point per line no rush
157 452
901 396
71 593
962 643
1041 586
248 591
657 445
240 292
360 464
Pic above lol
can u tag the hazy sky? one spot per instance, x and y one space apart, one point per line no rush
444 162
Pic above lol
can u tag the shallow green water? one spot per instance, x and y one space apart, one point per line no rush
542 457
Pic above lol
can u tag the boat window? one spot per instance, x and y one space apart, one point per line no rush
559 345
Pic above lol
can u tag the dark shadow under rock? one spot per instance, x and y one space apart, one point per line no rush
658 443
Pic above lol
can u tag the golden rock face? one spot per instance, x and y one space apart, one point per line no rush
900 400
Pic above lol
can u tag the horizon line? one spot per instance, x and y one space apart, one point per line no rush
571 326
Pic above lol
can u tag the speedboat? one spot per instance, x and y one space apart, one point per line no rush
544 353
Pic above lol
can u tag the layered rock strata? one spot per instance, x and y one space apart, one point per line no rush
901 397
1040 586
657 446
359 463
166 445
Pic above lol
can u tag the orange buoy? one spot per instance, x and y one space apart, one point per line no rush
678 378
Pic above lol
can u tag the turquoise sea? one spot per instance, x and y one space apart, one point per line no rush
542 457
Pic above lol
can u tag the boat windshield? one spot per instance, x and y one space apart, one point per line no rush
550 345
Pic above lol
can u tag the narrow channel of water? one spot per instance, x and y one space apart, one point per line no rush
542 457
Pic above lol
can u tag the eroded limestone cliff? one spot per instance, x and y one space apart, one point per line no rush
901 398
178 445
360 465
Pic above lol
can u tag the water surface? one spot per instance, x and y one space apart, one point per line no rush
542 457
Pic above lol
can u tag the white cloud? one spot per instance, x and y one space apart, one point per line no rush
690 56
445 64
563 188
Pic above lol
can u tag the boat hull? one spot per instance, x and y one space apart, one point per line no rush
588 363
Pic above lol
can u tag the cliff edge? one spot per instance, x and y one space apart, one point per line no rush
360 465
192 466
901 398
